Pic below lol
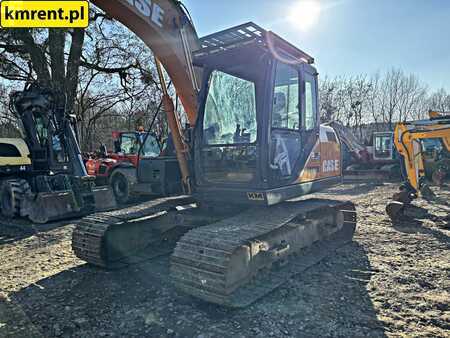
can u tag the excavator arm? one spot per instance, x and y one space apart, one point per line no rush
358 151
407 141
165 27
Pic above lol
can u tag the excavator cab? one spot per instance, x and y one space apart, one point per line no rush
35 110
383 146
258 120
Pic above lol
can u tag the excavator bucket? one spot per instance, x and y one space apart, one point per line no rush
104 198
395 209
52 206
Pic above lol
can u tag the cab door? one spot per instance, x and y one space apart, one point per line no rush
285 142
310 119
294 122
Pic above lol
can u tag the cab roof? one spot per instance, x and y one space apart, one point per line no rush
245 35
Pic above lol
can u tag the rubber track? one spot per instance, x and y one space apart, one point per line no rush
200 259
90 232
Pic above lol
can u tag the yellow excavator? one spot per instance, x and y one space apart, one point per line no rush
256 146
424 147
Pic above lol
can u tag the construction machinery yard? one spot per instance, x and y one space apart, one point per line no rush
392 280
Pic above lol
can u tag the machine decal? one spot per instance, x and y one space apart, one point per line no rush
311 170
150 10
281 159
330 166
255 196
324 160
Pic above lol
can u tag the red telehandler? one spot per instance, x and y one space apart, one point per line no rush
138 166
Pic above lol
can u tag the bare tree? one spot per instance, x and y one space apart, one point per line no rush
379 100
40 55
327 99
374 103
102 70
411 95
8 123
357 91
391 95
439 101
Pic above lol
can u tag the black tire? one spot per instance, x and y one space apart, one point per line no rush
12 193
121 188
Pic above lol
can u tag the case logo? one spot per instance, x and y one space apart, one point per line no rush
149 9
331 166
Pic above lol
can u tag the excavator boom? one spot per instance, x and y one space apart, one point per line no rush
167 30
407 141
165 27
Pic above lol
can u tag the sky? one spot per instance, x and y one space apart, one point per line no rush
349 37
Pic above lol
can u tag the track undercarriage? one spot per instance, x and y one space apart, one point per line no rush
231 258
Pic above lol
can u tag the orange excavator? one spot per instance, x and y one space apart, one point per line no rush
255 147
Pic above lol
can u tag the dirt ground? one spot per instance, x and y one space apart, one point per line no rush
392 280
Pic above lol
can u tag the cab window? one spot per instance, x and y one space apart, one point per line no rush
383 146
151 146
286 103
230 111
129 144
310 103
